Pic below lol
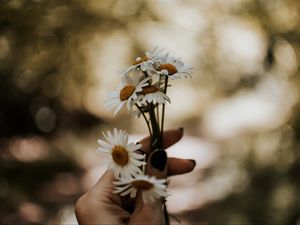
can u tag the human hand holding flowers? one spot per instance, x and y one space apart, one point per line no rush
138 179
101 205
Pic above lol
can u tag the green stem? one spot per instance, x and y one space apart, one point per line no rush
166 215
156 135
157 143
147 121
157 114
163 107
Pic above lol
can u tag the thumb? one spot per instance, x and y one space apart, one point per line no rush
152 212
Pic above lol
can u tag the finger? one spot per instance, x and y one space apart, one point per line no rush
106 181
156 166
151 212
105 187
99 205
159 166
178 166
170 138
148 214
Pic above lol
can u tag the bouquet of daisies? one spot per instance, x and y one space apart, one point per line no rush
143 91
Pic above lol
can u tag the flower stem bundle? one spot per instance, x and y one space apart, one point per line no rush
143 91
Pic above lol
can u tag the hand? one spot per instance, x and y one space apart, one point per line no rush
101 206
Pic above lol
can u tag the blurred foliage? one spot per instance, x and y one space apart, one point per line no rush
39 67
45 123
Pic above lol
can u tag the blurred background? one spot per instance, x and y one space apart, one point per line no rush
240 110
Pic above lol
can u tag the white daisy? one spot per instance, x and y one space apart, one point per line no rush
173 67
146 62
126 92
125 161
152 93
150 187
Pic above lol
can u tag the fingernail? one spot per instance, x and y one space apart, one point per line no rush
180 129
193 161
158 159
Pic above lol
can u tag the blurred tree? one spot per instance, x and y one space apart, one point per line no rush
41 67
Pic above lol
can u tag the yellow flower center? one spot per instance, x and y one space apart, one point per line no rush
140 60
142 185
169 67
126 92
149 89
120 155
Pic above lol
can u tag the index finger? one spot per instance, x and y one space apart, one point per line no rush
170 137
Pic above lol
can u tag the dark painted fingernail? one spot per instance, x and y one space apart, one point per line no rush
193 161
181 129
158 160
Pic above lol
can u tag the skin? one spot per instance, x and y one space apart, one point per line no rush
101 206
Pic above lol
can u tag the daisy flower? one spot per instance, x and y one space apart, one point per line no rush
173 67
152 93
125 161
146 62
150 187
126 92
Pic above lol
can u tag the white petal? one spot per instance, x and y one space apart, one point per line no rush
133 193
126 192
